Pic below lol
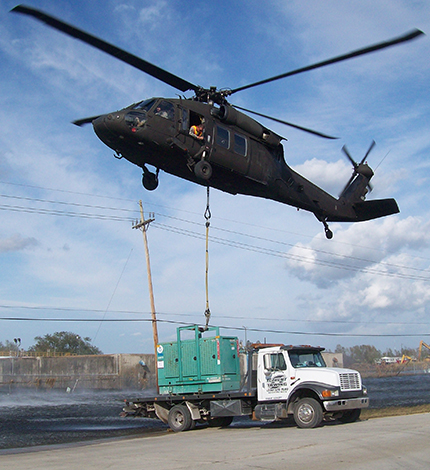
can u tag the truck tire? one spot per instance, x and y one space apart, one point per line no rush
350 416
220 421
308 413
179 418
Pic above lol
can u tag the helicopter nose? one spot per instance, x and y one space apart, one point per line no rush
107 128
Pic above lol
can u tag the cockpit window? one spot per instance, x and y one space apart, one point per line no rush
306 359
136 119
165 110
139 115
145 105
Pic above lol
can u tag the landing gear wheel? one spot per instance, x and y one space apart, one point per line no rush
150 181
308 413
203 170
350 416
179 418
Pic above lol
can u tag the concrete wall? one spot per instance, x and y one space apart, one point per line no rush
109 372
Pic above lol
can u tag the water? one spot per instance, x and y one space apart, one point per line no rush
403 390
53 417
31 419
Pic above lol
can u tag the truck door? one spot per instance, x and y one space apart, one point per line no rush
272 377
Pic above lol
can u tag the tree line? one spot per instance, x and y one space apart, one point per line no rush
61 342
368 354
66 342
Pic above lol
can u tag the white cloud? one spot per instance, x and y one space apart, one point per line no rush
330 176
17 243
364 247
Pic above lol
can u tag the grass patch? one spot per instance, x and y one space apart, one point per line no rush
369 413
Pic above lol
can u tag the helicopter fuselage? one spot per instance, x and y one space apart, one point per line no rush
245 157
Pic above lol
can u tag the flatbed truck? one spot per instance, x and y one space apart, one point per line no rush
200 380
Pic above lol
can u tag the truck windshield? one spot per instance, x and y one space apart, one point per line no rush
306 359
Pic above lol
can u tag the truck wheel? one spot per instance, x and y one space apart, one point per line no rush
220 422
179 418
350 416
308 413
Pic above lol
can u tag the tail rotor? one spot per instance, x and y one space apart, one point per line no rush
361 168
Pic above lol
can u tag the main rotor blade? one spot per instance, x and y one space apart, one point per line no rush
366 50
87 120
110 49
305 129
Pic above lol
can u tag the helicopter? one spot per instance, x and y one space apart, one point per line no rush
209 141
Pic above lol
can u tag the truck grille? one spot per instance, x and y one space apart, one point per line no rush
350 381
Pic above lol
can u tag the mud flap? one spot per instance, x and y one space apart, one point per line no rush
194 410
162 413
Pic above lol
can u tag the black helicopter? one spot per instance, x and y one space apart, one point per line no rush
233 153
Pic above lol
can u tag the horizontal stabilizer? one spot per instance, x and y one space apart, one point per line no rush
368 210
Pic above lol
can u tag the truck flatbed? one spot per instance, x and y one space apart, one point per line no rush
230 395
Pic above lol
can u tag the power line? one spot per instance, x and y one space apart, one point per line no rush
280 254
232 243
225 327
249 224
196 314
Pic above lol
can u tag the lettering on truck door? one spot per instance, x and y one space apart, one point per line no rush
273 377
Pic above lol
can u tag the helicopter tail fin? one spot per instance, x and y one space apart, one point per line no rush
368 210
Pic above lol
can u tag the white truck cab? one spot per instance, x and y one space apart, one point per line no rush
297 381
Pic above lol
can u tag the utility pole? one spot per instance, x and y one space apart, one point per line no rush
143 225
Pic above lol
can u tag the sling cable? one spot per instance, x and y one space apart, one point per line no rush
207 216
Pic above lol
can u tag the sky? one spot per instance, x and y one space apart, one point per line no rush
69 258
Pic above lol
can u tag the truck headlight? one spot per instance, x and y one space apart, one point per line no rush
364 390
330 393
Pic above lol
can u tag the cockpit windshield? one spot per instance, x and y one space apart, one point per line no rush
145 105
307 358
139 115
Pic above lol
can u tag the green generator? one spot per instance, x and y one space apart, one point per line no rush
200 364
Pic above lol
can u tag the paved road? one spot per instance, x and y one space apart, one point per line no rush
385 443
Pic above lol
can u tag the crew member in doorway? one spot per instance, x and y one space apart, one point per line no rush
196 131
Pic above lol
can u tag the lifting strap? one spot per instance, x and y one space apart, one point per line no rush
207 217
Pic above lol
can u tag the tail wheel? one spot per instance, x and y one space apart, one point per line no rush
308 413
203 170
179 418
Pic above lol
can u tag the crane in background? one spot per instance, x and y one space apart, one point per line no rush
421 348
